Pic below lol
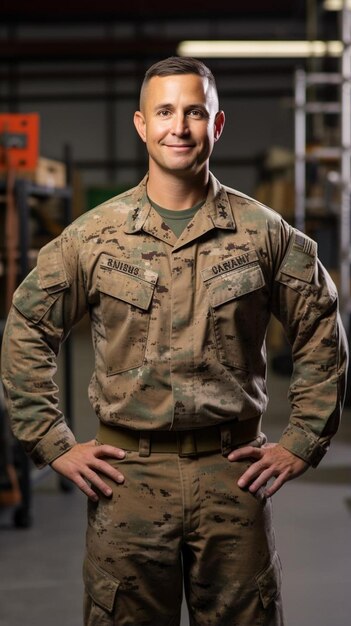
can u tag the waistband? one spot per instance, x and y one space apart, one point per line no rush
223 437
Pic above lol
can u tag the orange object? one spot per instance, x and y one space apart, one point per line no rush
19 141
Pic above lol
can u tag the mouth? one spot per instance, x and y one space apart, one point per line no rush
178 146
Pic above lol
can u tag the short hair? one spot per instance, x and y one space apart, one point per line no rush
178 65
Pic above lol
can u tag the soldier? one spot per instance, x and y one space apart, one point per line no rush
179 276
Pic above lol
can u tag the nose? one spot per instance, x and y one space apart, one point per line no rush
179 125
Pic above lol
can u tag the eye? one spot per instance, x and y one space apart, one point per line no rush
197 113
164 113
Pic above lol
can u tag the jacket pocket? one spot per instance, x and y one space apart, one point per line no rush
100 586
269 581
125 309
238 314
33 301
43 285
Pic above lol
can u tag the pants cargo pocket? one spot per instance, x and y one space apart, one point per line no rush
100 595
269 581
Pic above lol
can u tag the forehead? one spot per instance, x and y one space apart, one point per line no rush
179 88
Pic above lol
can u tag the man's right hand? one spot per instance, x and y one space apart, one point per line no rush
83 463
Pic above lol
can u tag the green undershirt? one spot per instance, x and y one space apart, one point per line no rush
176 220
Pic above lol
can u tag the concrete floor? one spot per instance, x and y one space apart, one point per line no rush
40 571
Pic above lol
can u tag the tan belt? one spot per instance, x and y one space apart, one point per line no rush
223 437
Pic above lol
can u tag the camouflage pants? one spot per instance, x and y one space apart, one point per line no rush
174 519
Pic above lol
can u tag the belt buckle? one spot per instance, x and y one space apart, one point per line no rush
186 441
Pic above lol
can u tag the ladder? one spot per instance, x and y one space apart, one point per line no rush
303 107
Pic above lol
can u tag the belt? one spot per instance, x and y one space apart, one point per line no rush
223 437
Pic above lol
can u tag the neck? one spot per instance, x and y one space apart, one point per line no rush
177 193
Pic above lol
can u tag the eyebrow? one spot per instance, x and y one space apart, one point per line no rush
168 105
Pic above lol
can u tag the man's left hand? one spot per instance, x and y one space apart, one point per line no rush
272 461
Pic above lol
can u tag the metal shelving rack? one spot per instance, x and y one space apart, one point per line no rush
342 153
24 190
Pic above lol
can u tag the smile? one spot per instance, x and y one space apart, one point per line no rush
179 146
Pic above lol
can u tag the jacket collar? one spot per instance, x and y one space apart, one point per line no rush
216 212
217 205
138 215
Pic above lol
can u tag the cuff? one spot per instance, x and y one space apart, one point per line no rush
303 444
57 441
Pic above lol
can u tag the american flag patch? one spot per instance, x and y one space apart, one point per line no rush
304 244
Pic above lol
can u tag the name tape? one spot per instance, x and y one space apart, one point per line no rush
230 264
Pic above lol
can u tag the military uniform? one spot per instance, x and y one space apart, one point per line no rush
179 330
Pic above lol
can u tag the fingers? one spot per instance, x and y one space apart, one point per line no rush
255 477
272 461
105 468
85 488
97 484
84 465
275 486
245 453
108 451
90 482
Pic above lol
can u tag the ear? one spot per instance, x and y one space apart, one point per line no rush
219 124
140 125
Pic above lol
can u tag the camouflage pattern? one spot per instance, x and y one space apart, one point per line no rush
178 325
169 506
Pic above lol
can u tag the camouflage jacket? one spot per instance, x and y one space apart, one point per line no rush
178 325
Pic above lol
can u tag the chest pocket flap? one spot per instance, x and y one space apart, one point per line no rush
235 284
130 283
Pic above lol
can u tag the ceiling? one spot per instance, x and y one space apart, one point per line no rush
144 31
245 19
81 10
43 47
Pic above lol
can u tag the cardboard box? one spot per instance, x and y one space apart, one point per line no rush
48 173
279 195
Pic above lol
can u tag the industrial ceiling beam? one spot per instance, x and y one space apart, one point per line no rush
81 11
97 49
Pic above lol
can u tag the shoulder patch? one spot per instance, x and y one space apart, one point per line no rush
300 260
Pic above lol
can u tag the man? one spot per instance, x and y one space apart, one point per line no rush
179 276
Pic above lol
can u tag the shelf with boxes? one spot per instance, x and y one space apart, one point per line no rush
41 206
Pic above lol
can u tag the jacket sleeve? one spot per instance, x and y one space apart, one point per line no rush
305 301
45 307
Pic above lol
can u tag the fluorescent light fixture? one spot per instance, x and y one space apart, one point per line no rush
263 49
336 5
